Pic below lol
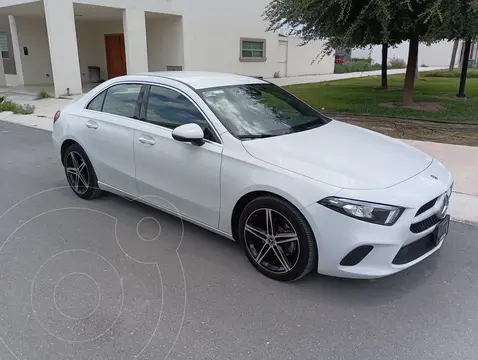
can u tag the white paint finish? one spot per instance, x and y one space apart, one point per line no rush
438 54
134 24
16 53
178 163
109 146
36 65
65 63
165 42
205 182
351 164
205 79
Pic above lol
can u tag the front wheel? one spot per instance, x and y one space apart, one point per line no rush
80 173
277 239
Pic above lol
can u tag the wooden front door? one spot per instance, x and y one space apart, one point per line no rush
115 55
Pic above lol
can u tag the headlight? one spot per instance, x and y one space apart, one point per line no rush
362 210
450 190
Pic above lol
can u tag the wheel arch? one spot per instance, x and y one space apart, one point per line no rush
250 196
64 146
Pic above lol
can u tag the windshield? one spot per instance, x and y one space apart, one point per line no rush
260 110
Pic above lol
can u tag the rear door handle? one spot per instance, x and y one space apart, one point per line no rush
91 125
146 141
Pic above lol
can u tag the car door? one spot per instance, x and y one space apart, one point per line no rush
109 133
173 175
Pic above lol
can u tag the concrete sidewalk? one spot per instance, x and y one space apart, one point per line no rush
462 161
293 80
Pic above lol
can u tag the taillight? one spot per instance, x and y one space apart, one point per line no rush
57 116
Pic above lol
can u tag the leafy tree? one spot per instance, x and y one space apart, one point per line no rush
358 23
461 23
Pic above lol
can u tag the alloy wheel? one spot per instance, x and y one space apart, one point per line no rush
271 240
77 172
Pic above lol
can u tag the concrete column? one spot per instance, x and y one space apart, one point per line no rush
65 63
3 79
17 52
136 47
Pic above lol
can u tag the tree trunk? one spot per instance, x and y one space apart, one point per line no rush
411 68
384 66
453 55
464 69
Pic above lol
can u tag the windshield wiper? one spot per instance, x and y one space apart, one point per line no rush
255 136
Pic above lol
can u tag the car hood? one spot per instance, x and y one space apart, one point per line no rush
342 155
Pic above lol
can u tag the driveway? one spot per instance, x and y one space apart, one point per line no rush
110 279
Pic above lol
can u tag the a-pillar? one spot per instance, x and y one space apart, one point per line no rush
65 63
136 47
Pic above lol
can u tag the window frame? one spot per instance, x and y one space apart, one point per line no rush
8 47
105 91
142 99
263 58
144 111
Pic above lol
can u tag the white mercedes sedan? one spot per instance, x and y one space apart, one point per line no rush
246 159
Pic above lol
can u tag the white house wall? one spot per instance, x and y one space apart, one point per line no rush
165 42
36 65
307 59
438 54
212 32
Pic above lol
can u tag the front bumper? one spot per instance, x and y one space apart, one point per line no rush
337 235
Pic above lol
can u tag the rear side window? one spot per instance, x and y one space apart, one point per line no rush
122 99
97 103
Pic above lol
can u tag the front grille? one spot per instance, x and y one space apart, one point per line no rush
414 250
426 207
425 224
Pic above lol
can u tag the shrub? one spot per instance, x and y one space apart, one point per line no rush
357 65
43 95
397 63
6 105
450 74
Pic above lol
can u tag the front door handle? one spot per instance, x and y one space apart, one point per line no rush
91 125
146 141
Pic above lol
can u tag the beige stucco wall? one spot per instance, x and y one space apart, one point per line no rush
165 43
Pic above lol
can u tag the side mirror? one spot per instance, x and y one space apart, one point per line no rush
189 133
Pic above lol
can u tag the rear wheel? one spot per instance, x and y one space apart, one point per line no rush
277 239
80 173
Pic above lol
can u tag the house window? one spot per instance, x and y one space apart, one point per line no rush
4 46
253 50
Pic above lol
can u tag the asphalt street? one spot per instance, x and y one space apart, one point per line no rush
111 279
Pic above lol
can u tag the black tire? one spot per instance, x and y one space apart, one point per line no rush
90 191
302 263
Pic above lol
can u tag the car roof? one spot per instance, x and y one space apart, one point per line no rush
205 79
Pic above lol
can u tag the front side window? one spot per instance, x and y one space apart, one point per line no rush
4 46
260 110
170 109
122 99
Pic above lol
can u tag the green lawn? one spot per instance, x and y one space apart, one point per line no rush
361 96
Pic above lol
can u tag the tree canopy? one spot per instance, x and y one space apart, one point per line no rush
359 23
